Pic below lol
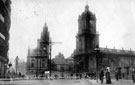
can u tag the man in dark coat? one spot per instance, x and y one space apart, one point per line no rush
108 78
116 75
101 75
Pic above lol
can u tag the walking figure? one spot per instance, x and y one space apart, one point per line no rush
71 76
101 75
80 76
108 78
133 75
116 75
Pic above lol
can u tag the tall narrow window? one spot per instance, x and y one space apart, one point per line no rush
32 64
43 65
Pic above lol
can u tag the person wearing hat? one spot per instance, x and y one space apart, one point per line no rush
108 78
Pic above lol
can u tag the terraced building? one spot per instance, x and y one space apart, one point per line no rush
5 22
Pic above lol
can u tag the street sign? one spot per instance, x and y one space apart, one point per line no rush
47 72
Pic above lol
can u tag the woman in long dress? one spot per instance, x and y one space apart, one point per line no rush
108 78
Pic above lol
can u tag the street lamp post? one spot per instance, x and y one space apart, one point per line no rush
97 56
37 67
16 62
50 59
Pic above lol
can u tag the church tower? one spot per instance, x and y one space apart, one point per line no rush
86 41
87 37
44 40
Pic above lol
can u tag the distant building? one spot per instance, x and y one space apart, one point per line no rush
21 67
86 57
60 62
37 59
5 22
63 64
70 62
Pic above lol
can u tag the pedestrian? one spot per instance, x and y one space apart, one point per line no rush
85 75
71 76
108 78
76 75
92 75
101 75
133 75
116 75
80 76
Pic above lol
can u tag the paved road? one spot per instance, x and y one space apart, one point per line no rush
64 82
114 82
46 82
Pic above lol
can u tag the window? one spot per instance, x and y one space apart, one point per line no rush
43 65
43 60
32 64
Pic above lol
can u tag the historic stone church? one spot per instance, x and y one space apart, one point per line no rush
85 56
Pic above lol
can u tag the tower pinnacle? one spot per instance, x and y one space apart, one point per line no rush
87 7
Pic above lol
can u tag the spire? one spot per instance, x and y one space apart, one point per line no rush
45 27
45 33
45 30
87 7
45 24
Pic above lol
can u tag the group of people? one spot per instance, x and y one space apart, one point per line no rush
91 75
118 75
106 74
103 74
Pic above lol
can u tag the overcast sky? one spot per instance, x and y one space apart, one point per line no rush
115 24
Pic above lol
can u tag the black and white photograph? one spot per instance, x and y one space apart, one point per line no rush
67 42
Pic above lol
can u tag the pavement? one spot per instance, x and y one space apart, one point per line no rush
47 82
65 82
4 79
114 82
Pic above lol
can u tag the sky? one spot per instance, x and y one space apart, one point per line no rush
115 24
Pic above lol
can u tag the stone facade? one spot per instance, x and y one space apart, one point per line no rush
37 59
63 64
87 39
60 62
21 67
5 22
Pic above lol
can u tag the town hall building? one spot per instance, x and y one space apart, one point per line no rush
38 58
